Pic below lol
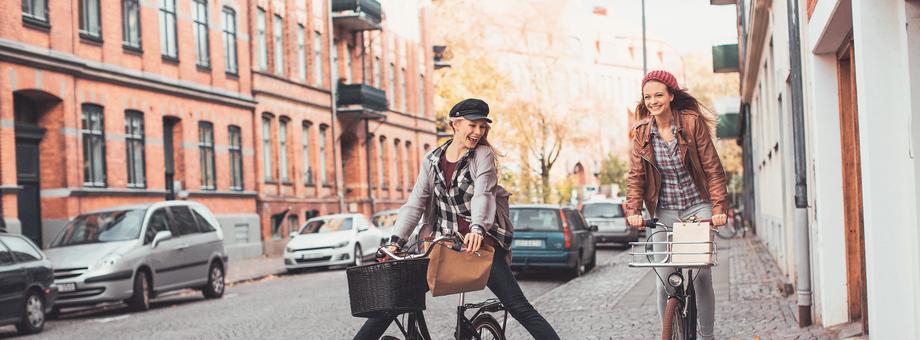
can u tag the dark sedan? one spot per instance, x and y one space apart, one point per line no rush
26 292
551 236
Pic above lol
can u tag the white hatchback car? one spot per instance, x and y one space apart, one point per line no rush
333 240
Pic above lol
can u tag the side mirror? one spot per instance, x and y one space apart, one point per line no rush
160 237
593 228
363 228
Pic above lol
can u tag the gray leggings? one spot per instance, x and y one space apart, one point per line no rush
705 299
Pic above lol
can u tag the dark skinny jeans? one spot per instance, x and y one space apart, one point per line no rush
505 287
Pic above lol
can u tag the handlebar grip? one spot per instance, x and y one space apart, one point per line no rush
651 223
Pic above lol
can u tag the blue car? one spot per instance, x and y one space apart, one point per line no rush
552 237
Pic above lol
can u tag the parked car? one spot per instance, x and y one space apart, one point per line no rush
333 240
551 236
133 253
386 221
610 220
26 278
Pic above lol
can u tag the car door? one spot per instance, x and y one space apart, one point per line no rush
580 232
12 285
192 251
161 257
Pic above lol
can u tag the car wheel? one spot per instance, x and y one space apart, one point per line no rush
140 297
216 282
593 263
33 314
578 269
359 257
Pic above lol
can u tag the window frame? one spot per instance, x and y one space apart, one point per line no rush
84 17
30 17
302 52
168 43
305 146
267 165
381 169
206 156
231 55
318 58
235 149
278 43
132 138
126 38
201 21
261 39
324 173
96 177
283 159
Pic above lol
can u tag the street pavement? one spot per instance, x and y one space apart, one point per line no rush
611 302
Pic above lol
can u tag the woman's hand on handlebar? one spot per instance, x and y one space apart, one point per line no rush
719 220
636 221
381 257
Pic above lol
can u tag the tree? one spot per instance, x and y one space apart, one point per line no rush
614 171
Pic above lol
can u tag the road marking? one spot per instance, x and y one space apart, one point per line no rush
114 318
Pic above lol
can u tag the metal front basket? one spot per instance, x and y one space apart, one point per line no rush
677 255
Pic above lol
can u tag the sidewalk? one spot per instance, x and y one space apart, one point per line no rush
618 302
254 269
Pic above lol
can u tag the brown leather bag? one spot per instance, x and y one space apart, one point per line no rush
452 272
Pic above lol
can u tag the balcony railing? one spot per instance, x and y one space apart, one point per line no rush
362 101
357 15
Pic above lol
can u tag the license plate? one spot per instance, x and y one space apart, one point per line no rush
528 243
310 256
67 287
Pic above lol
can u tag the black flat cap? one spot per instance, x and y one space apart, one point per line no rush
471 109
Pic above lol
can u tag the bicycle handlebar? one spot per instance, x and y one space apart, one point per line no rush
384 251
652 223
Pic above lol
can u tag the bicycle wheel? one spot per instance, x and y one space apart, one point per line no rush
673 324
485 327
726 232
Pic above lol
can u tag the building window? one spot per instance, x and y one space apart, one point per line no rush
267 148
90 27
421 95
317 58
236 158
93 146
134 146
349 54
292 223
260 39
278 31
305 145
391 84
202 43
283 150
168 45
377 75
323 175
318 8
206 153
396 159
35 11
131 22
403 90
301 52
407 175
230 40
380 168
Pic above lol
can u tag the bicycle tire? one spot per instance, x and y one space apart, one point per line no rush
672 325
485 324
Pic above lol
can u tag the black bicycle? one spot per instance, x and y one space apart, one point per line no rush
680 314
481 325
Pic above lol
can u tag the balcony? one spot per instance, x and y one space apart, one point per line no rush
725 58
361 101
728 127
357 15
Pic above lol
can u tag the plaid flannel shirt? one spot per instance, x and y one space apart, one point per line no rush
677 189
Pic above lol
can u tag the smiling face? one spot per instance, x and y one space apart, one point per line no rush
469 132
656 97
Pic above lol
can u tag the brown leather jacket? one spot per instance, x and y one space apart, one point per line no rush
696 151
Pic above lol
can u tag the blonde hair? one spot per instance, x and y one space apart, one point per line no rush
484 140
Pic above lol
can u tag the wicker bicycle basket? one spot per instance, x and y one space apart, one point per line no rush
388 288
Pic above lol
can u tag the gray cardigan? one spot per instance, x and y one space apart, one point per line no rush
485 177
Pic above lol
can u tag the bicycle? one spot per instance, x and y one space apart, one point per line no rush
481 326
679 320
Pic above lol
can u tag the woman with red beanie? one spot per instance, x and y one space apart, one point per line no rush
675 170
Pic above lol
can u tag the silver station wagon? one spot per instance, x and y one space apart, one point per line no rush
133 253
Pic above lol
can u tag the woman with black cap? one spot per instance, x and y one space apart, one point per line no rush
460 175
675 170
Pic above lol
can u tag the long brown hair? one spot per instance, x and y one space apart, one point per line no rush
683 100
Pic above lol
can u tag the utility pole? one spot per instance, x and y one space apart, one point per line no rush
644 49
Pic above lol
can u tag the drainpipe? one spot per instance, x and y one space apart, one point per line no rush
370 178
333 109
802 244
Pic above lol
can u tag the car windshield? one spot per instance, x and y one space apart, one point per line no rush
326 226
107 226
385 221
602 210
535 219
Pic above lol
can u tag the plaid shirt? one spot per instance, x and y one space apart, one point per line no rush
677 189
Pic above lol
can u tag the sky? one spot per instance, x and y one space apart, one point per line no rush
687 25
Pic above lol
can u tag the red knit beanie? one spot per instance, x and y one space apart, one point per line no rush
662 76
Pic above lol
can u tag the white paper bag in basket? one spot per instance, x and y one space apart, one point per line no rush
691 232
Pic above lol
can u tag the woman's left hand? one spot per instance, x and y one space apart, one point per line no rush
472 241
719 220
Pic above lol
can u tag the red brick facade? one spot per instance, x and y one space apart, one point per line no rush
51 72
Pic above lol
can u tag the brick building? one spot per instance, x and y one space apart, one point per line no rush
107 103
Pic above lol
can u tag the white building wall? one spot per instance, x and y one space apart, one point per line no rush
888 170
